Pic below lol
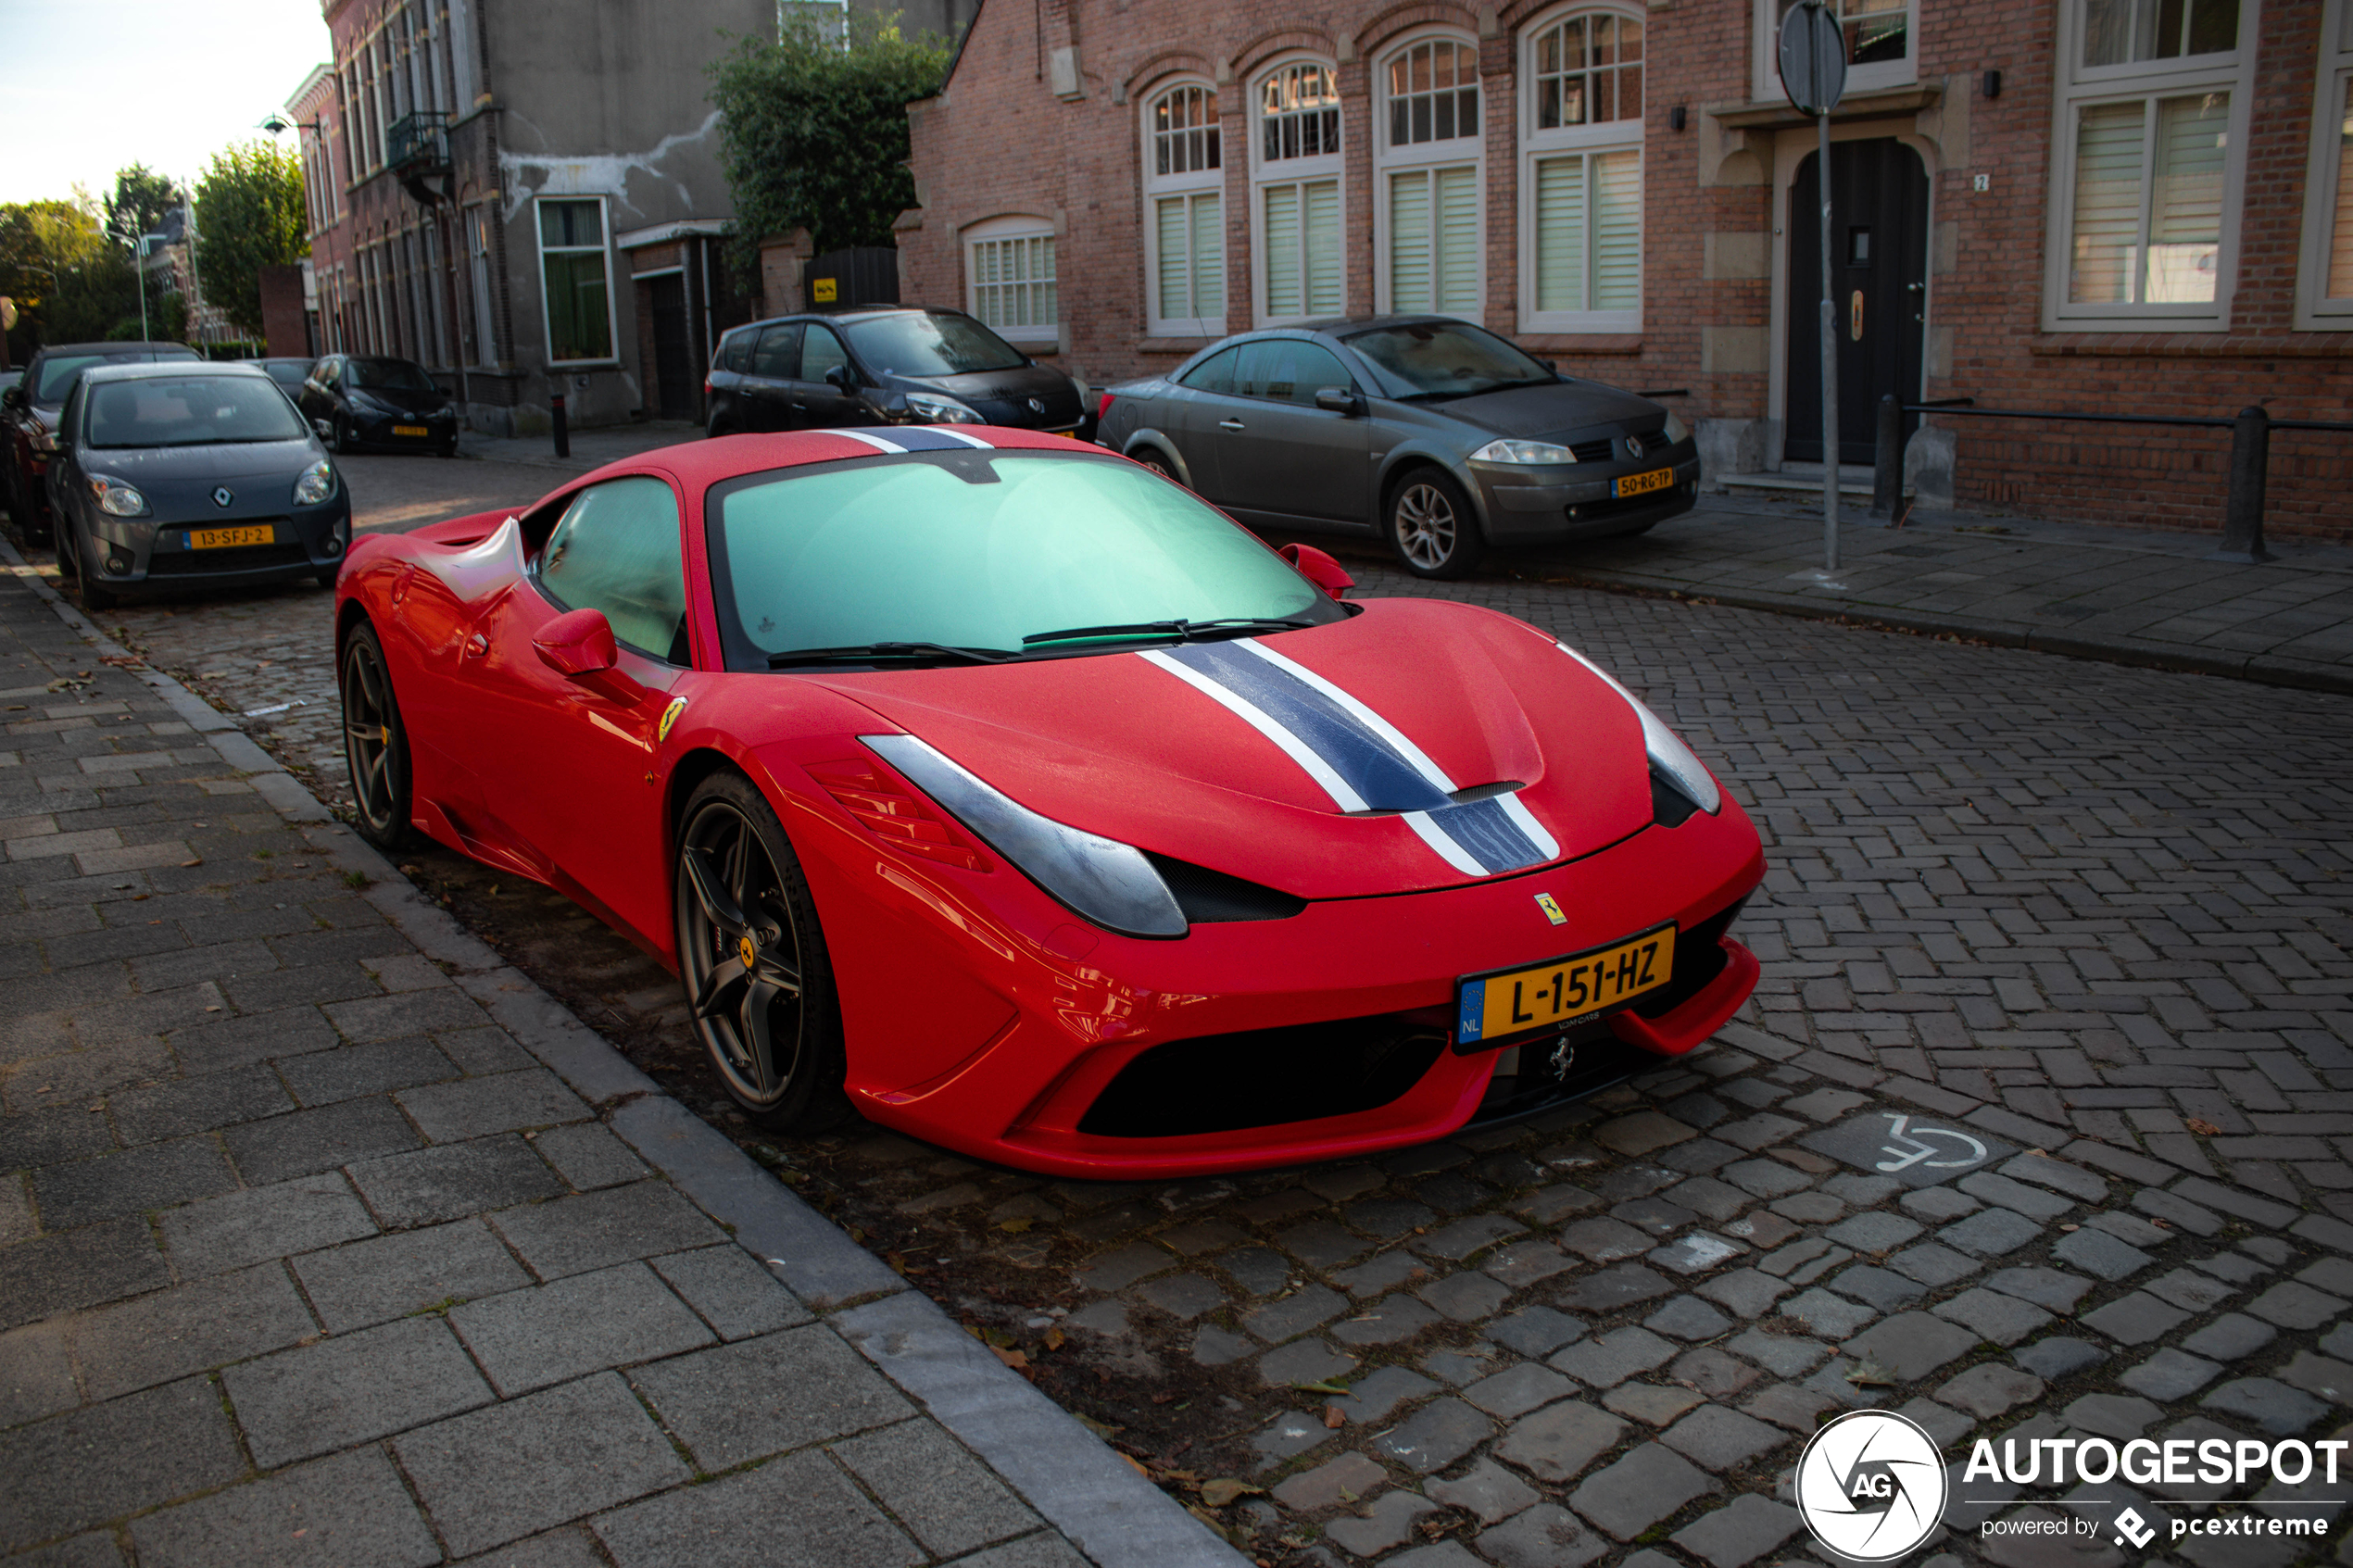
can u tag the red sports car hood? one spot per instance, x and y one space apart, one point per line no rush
1357 759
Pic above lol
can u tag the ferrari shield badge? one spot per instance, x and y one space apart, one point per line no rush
1544 901
669 717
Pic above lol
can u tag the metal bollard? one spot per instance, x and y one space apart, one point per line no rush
2243 510
1887 476
563 430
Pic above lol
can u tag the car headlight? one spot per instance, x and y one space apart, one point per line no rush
1523 452
318 482
363 404
116 498
1677 430
1105 880
938 410
1668 755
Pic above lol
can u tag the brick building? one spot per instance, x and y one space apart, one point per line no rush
2090 204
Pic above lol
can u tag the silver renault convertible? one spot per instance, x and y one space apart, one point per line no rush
191 476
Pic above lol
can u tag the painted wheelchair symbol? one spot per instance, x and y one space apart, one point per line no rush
1915 1149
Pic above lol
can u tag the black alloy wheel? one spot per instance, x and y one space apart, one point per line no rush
376 743
752 959
1432 526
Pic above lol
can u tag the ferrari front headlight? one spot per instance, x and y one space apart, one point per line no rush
116 498
1677 430
1668 755
318 482
1523 452
1107 882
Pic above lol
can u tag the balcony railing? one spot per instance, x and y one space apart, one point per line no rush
418 143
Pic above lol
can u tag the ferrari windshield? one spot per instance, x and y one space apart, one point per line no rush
978 551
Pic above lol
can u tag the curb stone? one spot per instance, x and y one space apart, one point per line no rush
1076 1482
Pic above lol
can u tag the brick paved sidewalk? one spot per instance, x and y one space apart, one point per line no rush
327 1239
591 449
2121 596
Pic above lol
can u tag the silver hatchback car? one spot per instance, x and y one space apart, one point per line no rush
1438 435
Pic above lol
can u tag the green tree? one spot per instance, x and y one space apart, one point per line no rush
814 135
69 284
139 201
249 215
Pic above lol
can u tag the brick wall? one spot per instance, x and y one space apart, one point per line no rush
998 141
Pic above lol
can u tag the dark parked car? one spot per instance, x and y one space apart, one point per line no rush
1438 435
288 373
191 476
890 366
28 418
359 400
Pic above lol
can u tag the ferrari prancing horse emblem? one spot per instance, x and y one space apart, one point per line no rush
1545 902
669 717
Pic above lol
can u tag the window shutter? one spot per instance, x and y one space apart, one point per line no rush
1617 230
1209 260
1409 241
2185 211
1458 246
1322 261
1282 250
2341 244
2107 204
1560 235
1173 262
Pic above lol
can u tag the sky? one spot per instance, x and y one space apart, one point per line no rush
92 85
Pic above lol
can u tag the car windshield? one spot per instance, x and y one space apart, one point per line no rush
287 373
58 374
390 375
1445 359
979 550
925 345
189 412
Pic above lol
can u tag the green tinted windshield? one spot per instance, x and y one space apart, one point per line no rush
977 549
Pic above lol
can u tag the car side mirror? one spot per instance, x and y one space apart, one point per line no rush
1318 569
1338 400
1550 366
577 643
840 378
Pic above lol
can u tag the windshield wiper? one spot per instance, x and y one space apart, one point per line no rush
869 653
1181 631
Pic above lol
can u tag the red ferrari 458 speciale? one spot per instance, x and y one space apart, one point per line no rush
1009 789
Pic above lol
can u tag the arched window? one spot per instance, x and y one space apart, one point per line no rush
1296 198
1009 279
1582 173
1184 213
1433 243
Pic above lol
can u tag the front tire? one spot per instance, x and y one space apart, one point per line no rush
376 743
751 956
94 599
1158 461
1431 527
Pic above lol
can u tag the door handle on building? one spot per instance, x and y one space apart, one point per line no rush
1229 424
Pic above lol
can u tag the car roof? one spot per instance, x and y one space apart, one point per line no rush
118 348
704 463
151 370
849 313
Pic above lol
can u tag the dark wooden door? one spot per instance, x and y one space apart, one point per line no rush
1879 278
674 358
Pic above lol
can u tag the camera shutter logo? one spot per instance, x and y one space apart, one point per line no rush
1871 1486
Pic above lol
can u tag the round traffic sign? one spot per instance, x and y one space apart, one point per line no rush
1813 57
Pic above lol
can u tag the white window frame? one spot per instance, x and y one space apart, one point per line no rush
1537 146
1461 151
1188 186
2081 87
1303 171
540 251
2315 311
996 230
1877 77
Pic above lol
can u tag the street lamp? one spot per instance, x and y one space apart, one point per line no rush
139 243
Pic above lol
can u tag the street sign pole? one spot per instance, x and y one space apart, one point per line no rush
1813 60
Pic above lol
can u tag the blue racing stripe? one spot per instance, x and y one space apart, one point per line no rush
1487 834
1385 781
916 438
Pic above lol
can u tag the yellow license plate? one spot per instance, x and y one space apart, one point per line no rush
1566 991
226 538
1643 484
410 430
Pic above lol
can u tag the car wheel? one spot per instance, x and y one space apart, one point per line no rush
94 599
1431 527
1158 461
328 576
376 743
753 961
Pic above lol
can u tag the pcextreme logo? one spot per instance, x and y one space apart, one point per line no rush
1871 1485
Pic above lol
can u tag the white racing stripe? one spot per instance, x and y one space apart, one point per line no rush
1358 710
876 441
1437 838
952 434
1296 749
1525 819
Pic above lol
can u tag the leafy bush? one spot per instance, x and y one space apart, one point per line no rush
249 215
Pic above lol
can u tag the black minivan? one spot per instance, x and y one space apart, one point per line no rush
887 366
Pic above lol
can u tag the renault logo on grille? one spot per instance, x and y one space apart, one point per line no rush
222 496
1633 446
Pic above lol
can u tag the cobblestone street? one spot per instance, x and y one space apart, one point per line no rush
2040 1127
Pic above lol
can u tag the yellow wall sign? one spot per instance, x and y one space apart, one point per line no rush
821 291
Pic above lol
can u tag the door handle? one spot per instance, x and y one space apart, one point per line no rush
1229 424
